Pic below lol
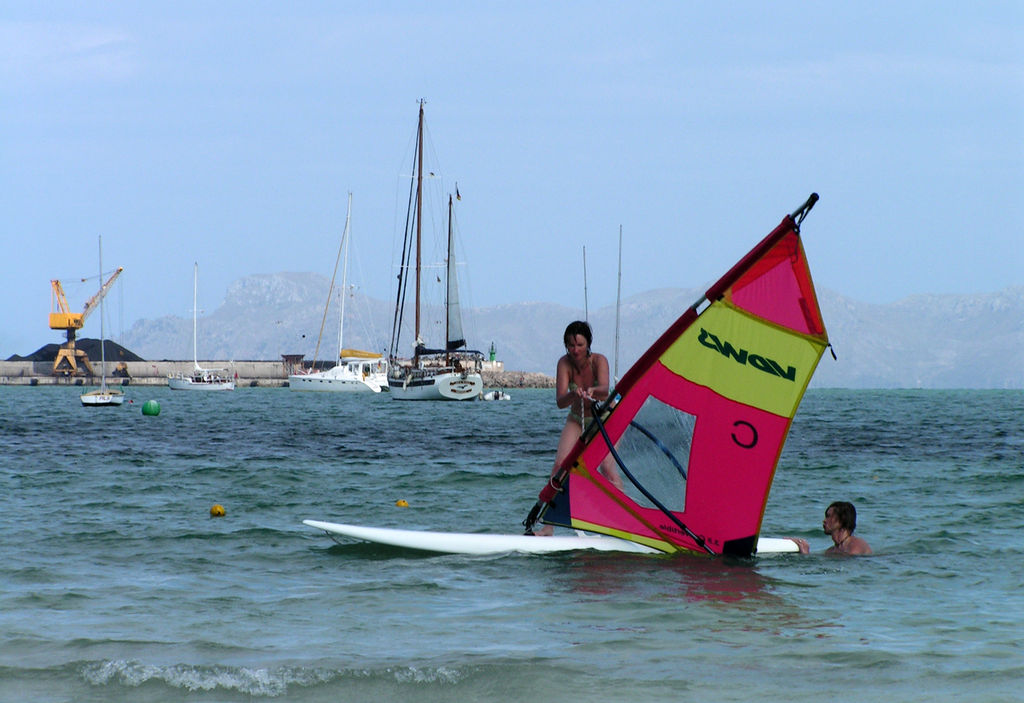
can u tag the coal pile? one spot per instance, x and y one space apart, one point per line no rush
113 351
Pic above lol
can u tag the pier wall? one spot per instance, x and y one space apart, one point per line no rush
270 374
143 373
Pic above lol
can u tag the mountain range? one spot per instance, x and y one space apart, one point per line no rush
923 341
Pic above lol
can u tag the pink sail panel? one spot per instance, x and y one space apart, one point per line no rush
779 289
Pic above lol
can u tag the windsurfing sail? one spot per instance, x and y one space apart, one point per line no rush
697 425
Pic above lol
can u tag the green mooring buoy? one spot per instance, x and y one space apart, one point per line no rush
151 407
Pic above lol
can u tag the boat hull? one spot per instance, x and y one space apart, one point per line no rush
99 399
186 383
441 386
318 382
366 373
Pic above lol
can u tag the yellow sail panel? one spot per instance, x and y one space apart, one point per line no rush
659 544
743 359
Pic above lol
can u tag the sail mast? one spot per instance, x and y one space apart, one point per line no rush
344 276
448 288
103 334
419 222
618 304
195 312
586 308
330 292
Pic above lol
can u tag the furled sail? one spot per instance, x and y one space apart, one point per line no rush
454 337
698 423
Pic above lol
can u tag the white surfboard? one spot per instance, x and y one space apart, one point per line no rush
476 543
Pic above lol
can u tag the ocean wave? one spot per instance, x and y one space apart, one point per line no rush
254 681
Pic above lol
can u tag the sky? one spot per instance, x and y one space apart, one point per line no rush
230 134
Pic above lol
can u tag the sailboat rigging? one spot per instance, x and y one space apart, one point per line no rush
451 373
200 379
103 396
618 306
698 423
356 370
586 304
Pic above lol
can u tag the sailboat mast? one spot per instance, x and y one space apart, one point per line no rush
103 332
419 220
586 309
448 287
618 304
344 277
195 312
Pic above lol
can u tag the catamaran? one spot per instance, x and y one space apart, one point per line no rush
451 373
200 379
102 396
696 426
356 370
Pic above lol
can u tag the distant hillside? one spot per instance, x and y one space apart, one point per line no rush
924 341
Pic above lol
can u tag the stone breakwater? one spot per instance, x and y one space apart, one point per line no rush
516 379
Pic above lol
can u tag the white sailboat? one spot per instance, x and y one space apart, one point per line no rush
102 396
356 371
451 373
200 379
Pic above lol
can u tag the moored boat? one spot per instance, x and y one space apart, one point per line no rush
200 379
449 373
356 370
102 396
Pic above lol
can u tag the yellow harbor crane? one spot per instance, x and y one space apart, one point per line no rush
61 318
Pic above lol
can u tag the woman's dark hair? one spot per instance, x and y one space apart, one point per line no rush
579 327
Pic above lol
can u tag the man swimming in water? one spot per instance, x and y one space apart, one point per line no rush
839 523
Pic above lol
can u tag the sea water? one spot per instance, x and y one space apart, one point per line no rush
117 585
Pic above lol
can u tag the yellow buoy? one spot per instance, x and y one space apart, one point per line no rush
402 503
217 511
